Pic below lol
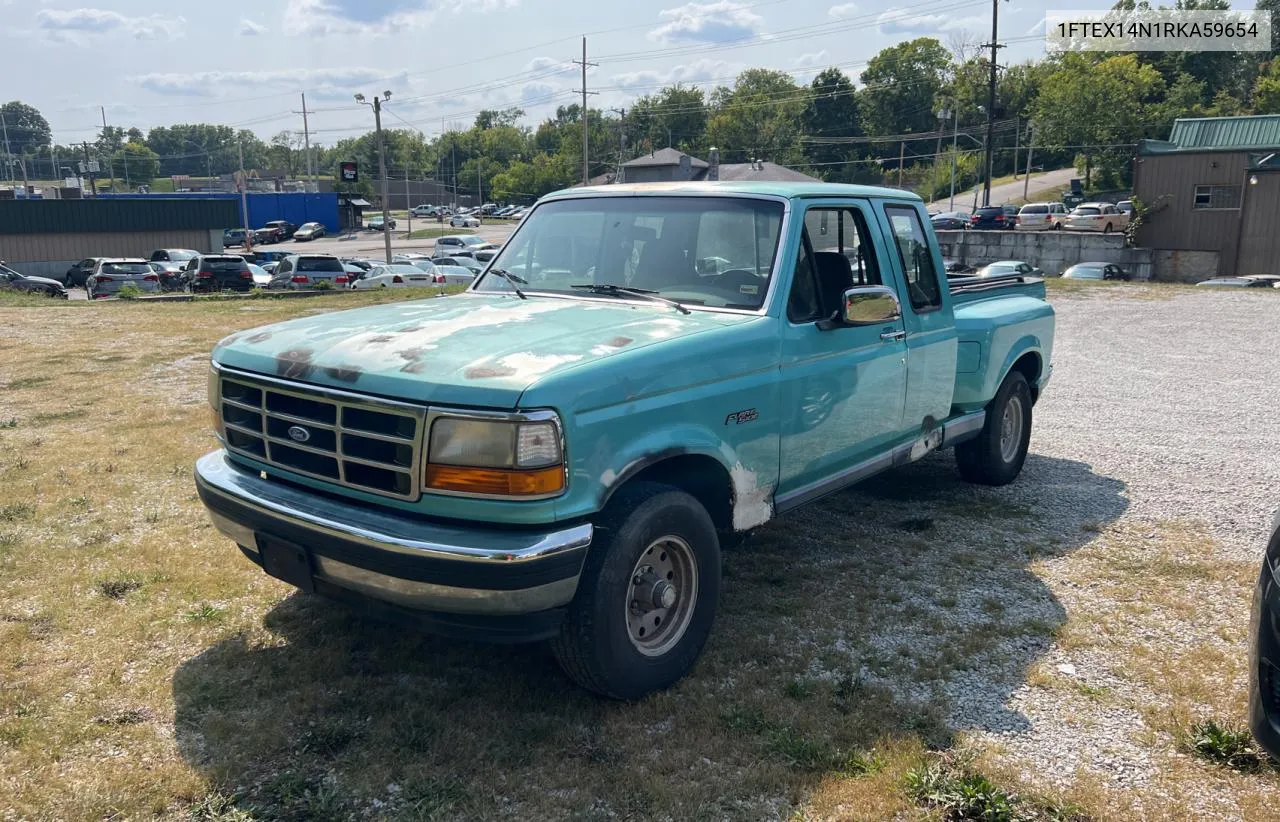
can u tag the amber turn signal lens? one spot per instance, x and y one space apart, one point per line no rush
496 482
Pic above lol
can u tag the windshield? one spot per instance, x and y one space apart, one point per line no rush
224 264
319 264
1087 272
714 251
180 255
1034 209
125 268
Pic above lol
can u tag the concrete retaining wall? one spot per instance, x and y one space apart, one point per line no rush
1052 251
1173 266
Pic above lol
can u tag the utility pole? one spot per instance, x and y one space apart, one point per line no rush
8 158
991 101
407 204
110 165
306 141
622 142
1026 178
244 198
1017 142
93 185
937 153
902 156
382 165
586 161
955 135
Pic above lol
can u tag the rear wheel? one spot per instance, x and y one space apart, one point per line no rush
996 455
647 597
1106 229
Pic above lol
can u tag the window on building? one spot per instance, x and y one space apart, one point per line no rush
1209 197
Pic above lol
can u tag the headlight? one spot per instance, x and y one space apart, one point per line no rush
506 458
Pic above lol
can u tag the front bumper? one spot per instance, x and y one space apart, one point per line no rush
480 581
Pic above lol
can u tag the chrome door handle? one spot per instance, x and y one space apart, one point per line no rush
893 336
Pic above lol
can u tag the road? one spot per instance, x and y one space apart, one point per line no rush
1008 192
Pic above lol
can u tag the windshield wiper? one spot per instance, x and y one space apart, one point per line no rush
511 278
623 291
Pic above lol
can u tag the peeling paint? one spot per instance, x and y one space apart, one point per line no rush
343 373
225 341
261 336
481 372
295 363
752 503
528 365
619 342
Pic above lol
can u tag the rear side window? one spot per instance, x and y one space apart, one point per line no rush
1035 209
319 264
923 287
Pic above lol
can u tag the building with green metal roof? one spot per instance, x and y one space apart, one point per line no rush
1214 194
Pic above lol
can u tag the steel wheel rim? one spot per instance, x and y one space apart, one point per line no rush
1011 429
661 595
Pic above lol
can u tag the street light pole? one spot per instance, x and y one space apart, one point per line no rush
382 165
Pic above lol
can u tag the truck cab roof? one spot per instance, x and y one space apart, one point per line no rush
704 189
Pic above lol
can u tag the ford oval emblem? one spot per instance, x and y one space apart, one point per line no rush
299 434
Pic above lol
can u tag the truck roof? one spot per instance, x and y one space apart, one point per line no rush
777 189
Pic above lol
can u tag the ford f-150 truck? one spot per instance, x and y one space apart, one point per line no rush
640 376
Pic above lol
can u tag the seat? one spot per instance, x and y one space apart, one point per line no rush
661 265
835 276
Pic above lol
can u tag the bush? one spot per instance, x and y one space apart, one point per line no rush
129 291
323 285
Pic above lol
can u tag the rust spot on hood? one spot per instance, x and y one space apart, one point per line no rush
295 363
413 353
415 367
410 329
225 341
379 338
619 342
261 336
480 372
344 373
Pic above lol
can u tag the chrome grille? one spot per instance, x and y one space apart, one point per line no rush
360 442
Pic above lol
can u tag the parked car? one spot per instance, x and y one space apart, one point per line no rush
488 208
513 492
1005 268
234 237
375 223
266 235
459 245
504 211
484 255
1270 279
303 271
270 267
1040 217
469 263
1127 207
78 273
11 280
423 211
399 275
956 267
950 221
171 255
284 228
409 256
261 277
309 231
112 274
453 275
1264 649
171 275
1095 271
209 273
1102 217
993 218
464 221
1234 282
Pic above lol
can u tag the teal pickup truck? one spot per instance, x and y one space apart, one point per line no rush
641 375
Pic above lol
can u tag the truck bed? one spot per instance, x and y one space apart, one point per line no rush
966 289
998 320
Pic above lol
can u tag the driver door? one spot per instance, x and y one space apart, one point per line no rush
844 387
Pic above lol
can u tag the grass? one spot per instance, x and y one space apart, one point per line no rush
1225 744
147 670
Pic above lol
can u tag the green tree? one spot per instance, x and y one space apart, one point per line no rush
527 181
1266 90
831 115
758 118
494 118
676 116
134 161
28 130
901 86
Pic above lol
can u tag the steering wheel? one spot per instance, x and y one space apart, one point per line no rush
735 278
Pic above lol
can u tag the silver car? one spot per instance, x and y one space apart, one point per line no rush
110 275
306 271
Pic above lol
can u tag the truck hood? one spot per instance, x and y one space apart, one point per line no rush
471 349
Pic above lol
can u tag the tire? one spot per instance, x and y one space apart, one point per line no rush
1057 226
1106 229
996 455
598 646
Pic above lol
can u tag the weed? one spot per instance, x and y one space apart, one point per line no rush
10 539
959 795
126 716
16 511
28 382
119 588
81 501
1226 745
204 612
217 807
97 537
129 291
151 517
323 285
58 416
798 690
12 422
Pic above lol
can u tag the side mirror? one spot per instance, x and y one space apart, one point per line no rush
865 305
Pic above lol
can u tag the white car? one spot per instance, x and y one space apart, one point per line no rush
1040 217
409 257
1103 217
464 221
396 275
453 275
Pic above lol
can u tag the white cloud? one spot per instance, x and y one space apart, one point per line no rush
902 22
699 71
551 67
249 28
67 25
813 58
329 82
718 22
842 11
319 18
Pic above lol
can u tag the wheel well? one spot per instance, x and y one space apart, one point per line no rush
702 477
1029 366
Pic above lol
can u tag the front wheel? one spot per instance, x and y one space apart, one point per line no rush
996 455
647 596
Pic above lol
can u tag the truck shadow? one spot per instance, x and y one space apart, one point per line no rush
895 613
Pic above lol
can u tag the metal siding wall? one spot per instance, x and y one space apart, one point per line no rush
1259 237
20 248
111 214
297 208
1170 181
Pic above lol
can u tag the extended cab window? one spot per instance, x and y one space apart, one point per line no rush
843 231
923 287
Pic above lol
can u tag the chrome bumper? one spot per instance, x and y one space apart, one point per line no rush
397 559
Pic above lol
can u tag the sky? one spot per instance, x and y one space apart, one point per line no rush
244 63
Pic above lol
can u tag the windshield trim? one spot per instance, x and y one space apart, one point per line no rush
784 237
